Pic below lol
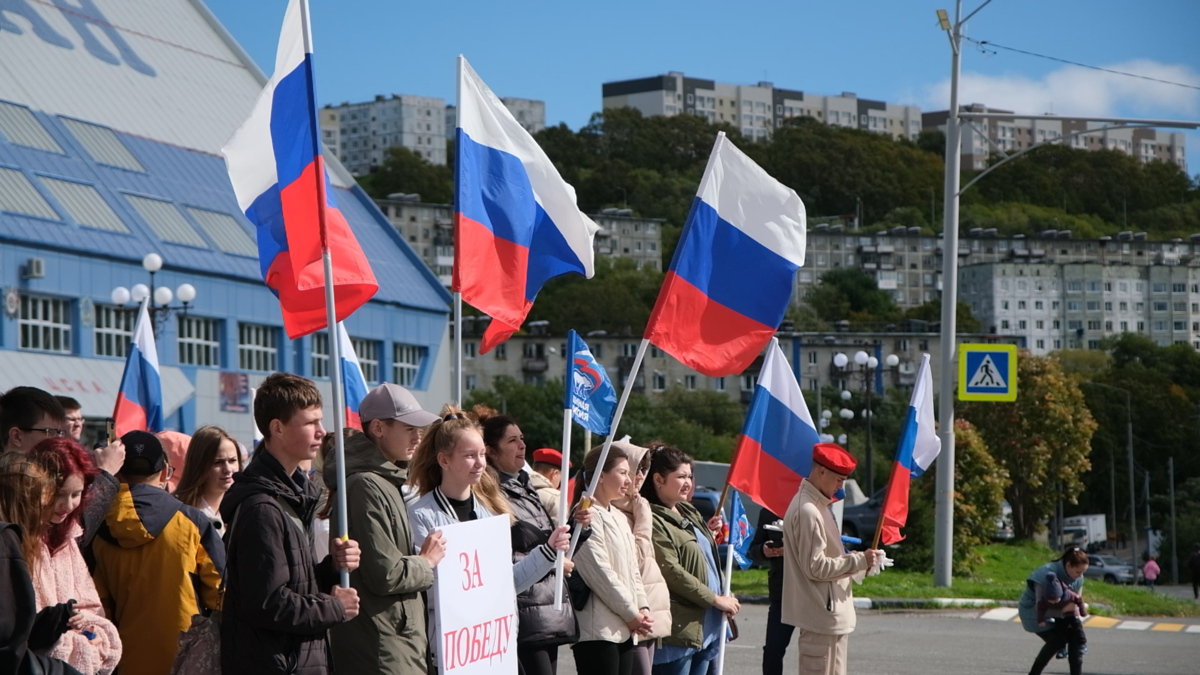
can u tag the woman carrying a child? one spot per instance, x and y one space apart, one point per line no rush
1052 606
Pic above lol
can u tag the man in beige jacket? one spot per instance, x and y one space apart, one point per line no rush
817 570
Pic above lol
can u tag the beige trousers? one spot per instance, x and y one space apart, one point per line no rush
822 654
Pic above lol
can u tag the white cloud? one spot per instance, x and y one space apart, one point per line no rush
1072 90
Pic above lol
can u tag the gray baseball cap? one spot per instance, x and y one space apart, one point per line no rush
392 402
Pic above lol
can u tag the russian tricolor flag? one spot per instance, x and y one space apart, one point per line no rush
730 280
353 382
274 162
775 450
516 224
919 446
139 400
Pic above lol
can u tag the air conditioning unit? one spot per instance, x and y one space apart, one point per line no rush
35 268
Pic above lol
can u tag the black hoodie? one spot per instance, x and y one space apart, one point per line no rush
20 609
276 610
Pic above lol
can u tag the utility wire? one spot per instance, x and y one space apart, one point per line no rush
983 44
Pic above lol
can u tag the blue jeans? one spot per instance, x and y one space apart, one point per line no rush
696 664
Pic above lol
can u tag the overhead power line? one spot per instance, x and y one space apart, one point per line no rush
984 44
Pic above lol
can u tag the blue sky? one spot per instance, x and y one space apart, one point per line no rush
562 51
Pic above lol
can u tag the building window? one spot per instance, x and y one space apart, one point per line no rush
812 357
258 347
199 342
1093 325
367 352
114 330
469 349
1158 288
629 348
406 365
690 382
596 349
470 382
719 383
320 355
659 381
501 352
1160 306
1041 344
1179 288
749 380
45 324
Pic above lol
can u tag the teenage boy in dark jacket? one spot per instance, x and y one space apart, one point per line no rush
279 604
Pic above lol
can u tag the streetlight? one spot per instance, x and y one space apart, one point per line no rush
160 296
868 369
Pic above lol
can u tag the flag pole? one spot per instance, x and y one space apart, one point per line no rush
725 588
563 477
335 365
591 488
457 385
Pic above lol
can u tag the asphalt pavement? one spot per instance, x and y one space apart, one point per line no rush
956 642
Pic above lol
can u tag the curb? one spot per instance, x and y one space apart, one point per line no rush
914 603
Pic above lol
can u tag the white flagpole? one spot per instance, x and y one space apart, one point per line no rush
591 488
725 588
563 478
335 357
457 385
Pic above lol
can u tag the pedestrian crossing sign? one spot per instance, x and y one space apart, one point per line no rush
987 372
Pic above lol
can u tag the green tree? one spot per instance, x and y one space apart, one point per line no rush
1042 439
405 171
979 484
618 299
965 321
851 294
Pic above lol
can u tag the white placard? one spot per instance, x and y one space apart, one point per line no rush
475 607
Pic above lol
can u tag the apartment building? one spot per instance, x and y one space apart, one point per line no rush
984 137
537 356
1076 305
759 108
367 130
429 230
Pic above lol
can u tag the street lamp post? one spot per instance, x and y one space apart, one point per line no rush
160 296
868 367
1129 458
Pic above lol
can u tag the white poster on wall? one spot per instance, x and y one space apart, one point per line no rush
475 608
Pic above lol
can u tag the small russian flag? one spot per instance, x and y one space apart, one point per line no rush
139 400
353 382
919 446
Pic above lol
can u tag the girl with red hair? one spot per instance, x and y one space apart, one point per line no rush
60 575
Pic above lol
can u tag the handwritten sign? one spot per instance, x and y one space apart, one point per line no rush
475 609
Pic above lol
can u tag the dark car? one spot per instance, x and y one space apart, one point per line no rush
1110 569
859 521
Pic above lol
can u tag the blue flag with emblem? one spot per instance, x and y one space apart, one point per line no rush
588 393
740 532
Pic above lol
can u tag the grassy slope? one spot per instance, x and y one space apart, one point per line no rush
1001 577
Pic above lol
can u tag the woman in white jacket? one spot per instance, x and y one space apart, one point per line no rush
617 612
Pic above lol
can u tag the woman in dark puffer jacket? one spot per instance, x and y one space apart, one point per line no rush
540 627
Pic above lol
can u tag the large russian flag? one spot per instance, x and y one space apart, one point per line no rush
353 382
139 400
516 224
919 446
274 162
730 280
775 450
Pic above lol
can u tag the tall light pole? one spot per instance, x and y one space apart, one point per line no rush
1129 459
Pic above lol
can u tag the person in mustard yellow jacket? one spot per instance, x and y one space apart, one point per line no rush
154 555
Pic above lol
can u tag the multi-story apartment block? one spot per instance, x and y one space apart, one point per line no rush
367 130
530 113
1075 305
757 109
331 131
1017 134
429 230
538 356
909 264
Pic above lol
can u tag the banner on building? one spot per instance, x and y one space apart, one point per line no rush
475 612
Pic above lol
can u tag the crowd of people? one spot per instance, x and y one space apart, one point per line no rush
109 557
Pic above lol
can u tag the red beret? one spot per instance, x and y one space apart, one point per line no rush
549 456
834 457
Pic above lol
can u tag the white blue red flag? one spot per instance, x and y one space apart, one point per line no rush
774 452
139 400
919 446
740 532
589 394
274 162
353 382
730 280
516 224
